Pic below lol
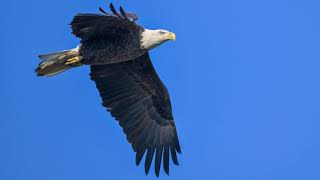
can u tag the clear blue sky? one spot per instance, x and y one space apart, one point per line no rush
243 78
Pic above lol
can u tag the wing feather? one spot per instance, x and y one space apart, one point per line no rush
158 160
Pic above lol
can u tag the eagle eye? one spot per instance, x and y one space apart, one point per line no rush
162 32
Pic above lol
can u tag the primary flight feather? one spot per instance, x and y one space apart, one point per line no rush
116 48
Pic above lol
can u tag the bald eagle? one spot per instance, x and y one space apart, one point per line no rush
116 49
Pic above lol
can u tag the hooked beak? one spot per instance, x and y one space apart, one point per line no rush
171 36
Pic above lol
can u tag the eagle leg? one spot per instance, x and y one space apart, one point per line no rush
73 60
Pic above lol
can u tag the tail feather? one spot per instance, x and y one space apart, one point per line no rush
55 63
51 55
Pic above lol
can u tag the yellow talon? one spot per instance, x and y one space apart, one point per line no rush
72 60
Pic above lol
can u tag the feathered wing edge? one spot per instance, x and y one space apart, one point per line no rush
88 25
124 15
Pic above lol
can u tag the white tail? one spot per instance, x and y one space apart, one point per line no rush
58 62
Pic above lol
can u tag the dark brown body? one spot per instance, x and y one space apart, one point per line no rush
105 45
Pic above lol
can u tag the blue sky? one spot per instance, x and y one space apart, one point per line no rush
243 78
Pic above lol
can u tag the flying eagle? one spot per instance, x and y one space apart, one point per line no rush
117 50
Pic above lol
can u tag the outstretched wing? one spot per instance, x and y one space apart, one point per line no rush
136 97
88 26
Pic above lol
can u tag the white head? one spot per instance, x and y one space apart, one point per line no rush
153 38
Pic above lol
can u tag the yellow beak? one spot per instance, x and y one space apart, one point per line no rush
171 36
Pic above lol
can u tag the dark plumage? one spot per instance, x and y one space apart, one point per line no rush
116 48
108 38
136 97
